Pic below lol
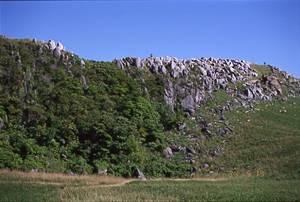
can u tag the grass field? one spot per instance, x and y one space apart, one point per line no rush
248 189
261 162
266 141
49 188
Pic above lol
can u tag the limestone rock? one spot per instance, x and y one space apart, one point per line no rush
57 52
51 44
1 123
84 83
139 174
59 46
188 104
169 96
82 64
168 152
192 81
102 172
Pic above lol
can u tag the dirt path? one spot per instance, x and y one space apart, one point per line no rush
89 181
119 184
203 179
150 180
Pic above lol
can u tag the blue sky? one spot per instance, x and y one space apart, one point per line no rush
255 30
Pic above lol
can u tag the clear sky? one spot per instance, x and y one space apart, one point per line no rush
255 30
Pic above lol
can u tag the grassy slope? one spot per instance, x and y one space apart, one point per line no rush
265 142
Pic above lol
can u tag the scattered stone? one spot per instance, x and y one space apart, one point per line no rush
1 123
71 173
190 150
205 166
181 126
34 170
102 172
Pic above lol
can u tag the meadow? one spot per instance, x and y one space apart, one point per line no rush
16 186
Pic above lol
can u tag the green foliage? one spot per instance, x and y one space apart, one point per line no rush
55 123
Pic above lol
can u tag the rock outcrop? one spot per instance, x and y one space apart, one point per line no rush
191 81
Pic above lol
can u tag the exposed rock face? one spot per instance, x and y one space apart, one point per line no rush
202 75
190 82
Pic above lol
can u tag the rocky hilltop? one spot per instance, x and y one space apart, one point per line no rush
190 82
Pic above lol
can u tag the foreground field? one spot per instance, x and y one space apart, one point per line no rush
231 190
16 186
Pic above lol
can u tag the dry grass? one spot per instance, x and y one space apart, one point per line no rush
59 179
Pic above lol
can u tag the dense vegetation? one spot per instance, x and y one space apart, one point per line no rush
51 120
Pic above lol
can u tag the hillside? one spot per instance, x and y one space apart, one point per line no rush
158 116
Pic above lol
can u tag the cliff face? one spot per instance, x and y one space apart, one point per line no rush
188 83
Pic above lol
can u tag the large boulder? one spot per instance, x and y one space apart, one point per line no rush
139 174
168 152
